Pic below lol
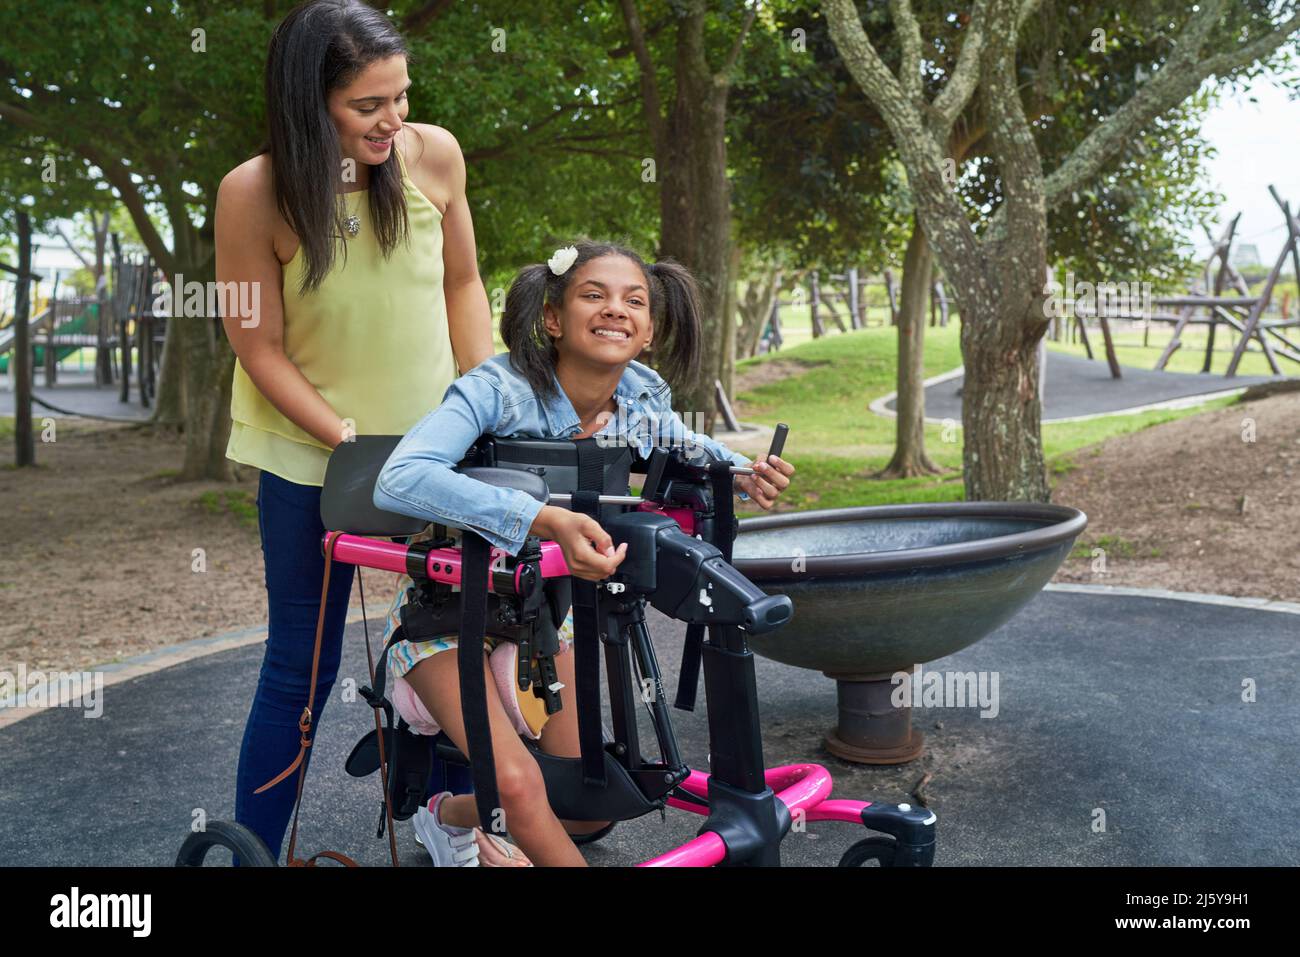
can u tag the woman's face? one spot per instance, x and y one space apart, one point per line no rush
605 317
369 111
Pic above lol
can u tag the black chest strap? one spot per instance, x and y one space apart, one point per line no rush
586 622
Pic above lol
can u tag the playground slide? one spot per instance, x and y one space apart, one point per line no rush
85 322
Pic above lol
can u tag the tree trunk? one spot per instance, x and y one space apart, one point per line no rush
206 362
695 210
729 309
103 357
1001 413
909 442
169 409
218 464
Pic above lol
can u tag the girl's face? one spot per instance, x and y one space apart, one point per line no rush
369 111
605 318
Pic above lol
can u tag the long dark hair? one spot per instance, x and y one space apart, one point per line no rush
319 46
674 307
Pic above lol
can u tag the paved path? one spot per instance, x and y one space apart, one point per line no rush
76 393
1128 704
1083 387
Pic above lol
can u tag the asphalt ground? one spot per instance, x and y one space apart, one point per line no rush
1131 707
1076 386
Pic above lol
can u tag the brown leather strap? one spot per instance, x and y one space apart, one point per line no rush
304 722
332 855
305 727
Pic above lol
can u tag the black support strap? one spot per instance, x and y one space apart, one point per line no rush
473 686
724 530
586 623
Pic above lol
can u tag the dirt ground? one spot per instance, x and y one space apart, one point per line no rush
98 558
1208 503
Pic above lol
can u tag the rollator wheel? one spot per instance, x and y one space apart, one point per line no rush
242 842
871 852
594 836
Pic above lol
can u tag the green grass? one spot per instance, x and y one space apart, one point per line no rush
240 503
836 442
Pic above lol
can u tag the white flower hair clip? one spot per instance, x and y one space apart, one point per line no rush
563 260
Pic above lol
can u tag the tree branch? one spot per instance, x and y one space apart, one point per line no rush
941 212
651 103
864 63
73 249
1027 9
1012 140
956 93
120 177
1178 78
723 76
909 40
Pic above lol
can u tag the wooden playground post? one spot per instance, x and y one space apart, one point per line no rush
50 358
1222 249
1111 359
103 325
943 303
892 293
728 414
1252 325
815 306
24 445
855 303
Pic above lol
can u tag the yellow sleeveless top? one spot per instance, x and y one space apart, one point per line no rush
372 338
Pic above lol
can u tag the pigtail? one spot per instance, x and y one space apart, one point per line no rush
677 320
532 353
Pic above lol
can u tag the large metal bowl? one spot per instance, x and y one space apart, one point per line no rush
879 589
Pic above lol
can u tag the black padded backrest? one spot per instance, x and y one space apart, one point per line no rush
347 500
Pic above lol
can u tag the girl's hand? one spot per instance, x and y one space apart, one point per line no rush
770 479
588 549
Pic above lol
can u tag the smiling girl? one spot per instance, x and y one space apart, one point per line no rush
574 327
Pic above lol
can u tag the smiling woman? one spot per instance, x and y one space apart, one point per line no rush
354 227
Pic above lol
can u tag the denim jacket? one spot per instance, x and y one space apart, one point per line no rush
495 399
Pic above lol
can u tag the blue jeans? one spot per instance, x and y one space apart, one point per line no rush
288 516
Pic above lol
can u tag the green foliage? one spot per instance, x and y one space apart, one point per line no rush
550 131
815 178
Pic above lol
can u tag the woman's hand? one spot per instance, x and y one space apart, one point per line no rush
588 549
770 479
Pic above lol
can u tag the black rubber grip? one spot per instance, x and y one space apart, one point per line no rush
778 440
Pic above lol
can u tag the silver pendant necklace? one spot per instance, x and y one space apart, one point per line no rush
353 225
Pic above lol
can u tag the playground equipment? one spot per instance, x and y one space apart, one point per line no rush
880 589
748 808
1207 304
121 327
